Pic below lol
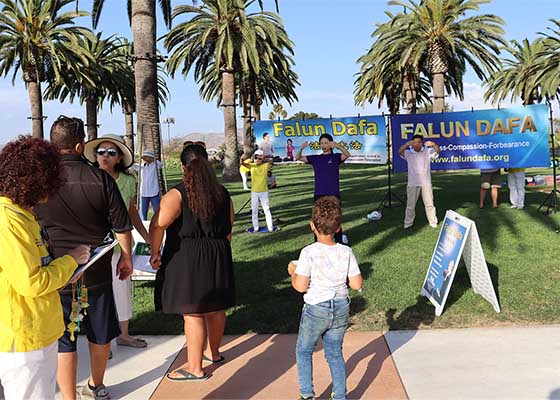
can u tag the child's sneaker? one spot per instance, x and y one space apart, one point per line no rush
301 397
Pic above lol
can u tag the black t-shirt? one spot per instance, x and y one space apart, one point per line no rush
85 210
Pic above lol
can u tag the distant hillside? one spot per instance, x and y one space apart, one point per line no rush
213 141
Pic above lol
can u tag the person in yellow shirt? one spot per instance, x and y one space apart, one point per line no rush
259 188
30 311
244 171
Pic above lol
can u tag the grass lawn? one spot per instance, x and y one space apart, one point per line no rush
520 248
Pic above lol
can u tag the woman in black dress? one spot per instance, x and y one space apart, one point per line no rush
196 275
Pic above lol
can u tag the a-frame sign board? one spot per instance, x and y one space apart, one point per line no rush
458 236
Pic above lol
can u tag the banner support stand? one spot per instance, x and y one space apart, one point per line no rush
389 195
551 201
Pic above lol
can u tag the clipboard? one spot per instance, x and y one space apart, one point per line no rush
96 254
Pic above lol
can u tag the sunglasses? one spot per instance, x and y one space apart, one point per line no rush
190 143
110 152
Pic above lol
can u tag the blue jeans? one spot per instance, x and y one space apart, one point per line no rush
145 205
327 320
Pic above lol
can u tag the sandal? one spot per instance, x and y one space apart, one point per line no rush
132 342
186 376
220 360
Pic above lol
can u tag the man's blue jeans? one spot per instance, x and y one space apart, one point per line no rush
327 320
145 205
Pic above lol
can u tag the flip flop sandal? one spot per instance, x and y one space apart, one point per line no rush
186 376
136 343
220 360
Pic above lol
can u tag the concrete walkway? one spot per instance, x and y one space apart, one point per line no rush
493 363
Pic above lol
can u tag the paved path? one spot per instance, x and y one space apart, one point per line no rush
493 363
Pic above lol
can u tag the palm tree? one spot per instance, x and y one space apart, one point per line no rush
385 76
37 38
142 17
548 67
278 112
275 80
435 33
125 95
217 39
517 77
93 81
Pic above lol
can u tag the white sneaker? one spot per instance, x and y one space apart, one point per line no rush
433 225
520 207
408 226
513 206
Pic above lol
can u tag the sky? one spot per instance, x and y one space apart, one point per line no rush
329 36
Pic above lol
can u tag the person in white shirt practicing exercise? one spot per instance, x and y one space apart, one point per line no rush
419 155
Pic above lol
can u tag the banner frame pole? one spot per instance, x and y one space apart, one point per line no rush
551 200
389 195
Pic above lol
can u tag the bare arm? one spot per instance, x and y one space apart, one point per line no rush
169 210
137 221
299 282
434 145
124 265
299 157
232 218
355 282
404 147
242 162
344 150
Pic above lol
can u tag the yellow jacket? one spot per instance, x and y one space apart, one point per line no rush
30 309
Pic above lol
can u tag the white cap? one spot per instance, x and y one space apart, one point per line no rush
149 153
259 153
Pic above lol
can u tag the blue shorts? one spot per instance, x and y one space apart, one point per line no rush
100 324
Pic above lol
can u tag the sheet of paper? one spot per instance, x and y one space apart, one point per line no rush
96 254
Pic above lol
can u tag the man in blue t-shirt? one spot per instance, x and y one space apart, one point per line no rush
326 167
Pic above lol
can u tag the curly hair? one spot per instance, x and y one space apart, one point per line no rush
327 215
30 171
204 192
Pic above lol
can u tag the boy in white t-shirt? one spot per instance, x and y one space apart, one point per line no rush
322 273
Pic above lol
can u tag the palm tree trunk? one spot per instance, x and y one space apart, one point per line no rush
145 76
231 159
36 102
257 104
91 117
438 67
410 91
128 111
439 92
247 131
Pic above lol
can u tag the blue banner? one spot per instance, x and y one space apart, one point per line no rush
445 260
506 138
364 137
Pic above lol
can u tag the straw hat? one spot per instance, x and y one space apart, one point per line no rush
91 147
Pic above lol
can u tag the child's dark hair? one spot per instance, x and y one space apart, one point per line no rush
418 137
326 136
265 135
327 215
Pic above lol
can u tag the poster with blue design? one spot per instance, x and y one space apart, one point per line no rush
446 257
364 137
514 137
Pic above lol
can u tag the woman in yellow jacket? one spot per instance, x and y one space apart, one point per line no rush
30 309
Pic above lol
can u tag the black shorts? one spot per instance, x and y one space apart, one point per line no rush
100 324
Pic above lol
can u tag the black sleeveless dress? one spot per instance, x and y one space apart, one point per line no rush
196 275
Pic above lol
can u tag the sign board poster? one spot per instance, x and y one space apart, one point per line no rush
445 259
458 235
514 137
364 137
